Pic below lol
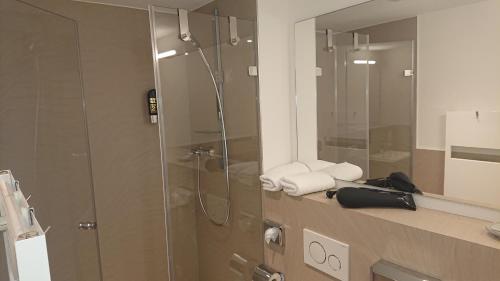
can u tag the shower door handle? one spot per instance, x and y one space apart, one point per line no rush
88 225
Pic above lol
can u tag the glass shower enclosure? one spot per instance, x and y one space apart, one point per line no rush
207 104
365 102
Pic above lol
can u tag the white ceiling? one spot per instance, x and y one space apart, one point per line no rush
382 11
143 4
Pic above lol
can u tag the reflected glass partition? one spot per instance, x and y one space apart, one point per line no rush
364 102
343 125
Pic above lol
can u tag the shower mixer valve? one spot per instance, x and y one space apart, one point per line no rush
203 151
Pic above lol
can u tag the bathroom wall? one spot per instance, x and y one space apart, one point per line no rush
461 250
116 63
448 84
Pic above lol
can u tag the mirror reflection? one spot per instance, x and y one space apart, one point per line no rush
405 86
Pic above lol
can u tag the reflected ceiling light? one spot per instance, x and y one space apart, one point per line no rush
186 53
249 41
167 54
365 62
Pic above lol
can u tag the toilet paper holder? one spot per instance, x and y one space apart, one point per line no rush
274 234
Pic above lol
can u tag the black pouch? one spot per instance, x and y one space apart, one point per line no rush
352 197
397 180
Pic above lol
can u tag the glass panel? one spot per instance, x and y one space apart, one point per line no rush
364 103
193 147
390 108
43 137
343 100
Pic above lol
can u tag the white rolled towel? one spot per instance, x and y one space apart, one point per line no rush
271 179
301 184
344 171
316 165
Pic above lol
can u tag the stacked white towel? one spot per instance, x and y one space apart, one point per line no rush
300 178
344 171
271 179
316 165
301 184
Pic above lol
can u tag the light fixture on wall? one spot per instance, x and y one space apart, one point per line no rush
365 62
167 54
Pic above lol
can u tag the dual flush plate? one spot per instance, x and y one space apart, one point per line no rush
326 254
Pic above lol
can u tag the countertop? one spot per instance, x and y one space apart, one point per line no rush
456 226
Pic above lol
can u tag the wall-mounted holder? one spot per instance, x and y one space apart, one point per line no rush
264 273
274 234
233 31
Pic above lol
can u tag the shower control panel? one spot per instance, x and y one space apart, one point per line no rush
326 254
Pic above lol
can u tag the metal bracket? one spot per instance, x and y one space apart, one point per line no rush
233 31
184 33
253 71
356 41
88 225
31 218
330 47
408 72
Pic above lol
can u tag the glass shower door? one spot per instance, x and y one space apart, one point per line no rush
391 108
200 250
343 96
43 134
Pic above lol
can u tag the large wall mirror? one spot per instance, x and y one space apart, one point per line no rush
408 86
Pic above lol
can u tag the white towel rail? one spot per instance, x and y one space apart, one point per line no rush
25 244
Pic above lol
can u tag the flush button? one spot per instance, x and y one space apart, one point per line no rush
317 252
326 255
334 262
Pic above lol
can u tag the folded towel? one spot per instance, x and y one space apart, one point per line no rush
271 179
301 184
316 165
344 171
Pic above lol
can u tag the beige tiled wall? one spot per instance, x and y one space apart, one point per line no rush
428 170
